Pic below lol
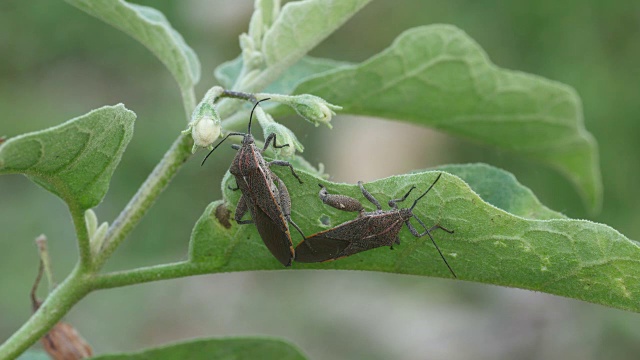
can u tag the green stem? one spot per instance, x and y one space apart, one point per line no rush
55 306
147 194
188 101
84 246
151 189
151 273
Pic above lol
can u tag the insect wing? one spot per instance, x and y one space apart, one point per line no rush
349 238
320 247
276 240
331 244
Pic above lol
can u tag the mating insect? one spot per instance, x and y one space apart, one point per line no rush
263 193
368 231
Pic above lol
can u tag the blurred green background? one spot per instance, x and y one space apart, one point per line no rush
57 63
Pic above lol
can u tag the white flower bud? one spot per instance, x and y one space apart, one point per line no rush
204 126
205 131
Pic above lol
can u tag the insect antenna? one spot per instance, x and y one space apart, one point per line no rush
252 110
436 245
235 133
220 143
425 193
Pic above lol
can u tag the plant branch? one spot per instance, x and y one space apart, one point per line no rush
55 306
151 273
82 233
147 194
188 101
151 189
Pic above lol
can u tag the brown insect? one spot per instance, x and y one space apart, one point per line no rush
368 231
264 195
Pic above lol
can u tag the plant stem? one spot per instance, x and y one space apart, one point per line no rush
82 233
147 194
151 273
151 189
55 306
188 101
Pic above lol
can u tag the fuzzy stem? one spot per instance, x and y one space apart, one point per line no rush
82 233
147 194
56 305
151 189
151 273
78 283
188 101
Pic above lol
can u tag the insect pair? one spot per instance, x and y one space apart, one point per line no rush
267 199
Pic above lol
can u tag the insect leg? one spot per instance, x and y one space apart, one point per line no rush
440 227
235 188
369 196
428 232
272 139
393 203
285 203
241 209
285 163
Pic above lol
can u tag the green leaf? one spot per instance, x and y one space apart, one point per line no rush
501 189
151 28
228 72
74 160
300 26
438 76
217 349
573 258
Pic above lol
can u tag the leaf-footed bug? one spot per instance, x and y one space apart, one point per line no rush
263 193
368 231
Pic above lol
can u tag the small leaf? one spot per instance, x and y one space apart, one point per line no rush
228 72
151 28
217 349
74 160
210 227
438 76
573 258
300 26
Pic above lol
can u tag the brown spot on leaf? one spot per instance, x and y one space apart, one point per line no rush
223 215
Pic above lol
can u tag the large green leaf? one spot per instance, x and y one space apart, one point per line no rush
300 26
150 27
217 349
74 160
573 258
501 189
438 76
